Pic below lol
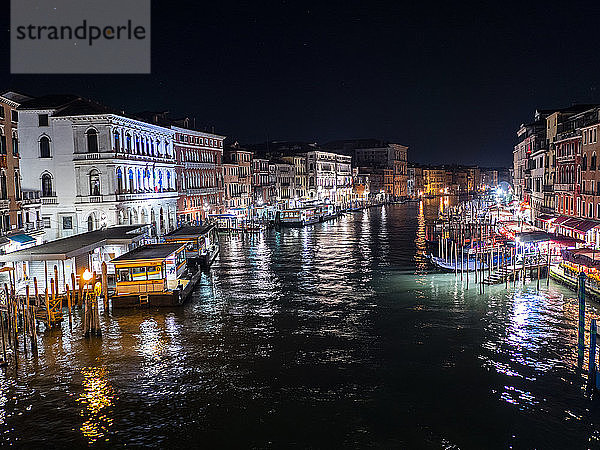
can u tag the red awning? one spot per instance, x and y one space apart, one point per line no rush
546 218
570 223
561 219
585 225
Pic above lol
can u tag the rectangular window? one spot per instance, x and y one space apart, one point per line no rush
123 275
42 120
14 116
67 223
46 221
1 112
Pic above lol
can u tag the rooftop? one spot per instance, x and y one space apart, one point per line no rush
78 244
15 97
51 101
189 231
152 251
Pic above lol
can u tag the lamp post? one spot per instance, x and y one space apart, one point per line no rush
86 276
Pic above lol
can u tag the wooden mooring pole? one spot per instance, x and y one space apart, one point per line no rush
581 323
592 355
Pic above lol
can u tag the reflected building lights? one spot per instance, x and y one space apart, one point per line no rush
97 400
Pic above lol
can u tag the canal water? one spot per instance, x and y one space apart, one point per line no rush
334 335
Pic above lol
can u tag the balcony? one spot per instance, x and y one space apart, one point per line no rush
567 135
123 197
4 203
90 199
202 191
33 226
564 187
566 158
118 155
548 188
199 165
53 200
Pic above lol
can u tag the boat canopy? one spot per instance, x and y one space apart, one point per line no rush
583 256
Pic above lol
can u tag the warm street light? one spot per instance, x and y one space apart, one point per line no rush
87 275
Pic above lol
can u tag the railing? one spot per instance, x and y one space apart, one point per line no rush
118 155
33 226
199 165
143 195
205 190
4 203
568 187
49 200
567 135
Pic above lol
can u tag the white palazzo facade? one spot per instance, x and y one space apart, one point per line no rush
97 169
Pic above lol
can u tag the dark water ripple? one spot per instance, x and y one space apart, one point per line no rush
336 335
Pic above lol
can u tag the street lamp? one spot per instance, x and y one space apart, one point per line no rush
87 276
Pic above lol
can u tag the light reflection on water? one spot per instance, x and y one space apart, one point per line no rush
332 335
97 400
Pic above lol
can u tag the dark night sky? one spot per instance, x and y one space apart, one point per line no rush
452 81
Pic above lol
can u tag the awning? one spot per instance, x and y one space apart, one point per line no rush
585 225
579 225
546 217
561 219
21 238
570 223
566 241
533 236
584 256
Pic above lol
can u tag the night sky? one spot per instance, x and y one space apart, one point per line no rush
452 81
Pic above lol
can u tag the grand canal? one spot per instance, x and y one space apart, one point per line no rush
328 336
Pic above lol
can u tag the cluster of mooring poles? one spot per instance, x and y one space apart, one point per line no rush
593 380
469 244
20 315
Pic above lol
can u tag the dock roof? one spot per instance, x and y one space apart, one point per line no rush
69 247
152 251
189 231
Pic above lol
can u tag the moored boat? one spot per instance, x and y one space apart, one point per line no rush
201 243
152 275
298 217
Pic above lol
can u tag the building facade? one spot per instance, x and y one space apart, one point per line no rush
240 182
199 175
112 169
322 177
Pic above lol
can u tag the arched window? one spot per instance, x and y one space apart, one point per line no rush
130 180
90 223
128 142
593 163
44 147
94 182
584 163
47 185
92 141
3 190
15 145
119 181
117 141
17 186
169 180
